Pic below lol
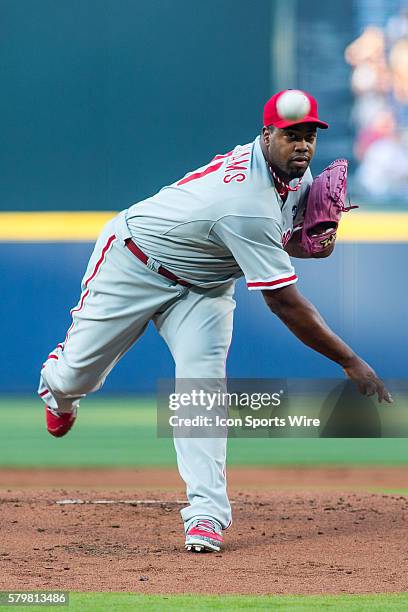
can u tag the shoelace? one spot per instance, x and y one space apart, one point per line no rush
205 525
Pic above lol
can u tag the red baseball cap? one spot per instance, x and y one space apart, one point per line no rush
272 117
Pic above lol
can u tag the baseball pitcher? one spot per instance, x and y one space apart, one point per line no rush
174 258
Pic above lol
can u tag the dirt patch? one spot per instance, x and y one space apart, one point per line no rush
344 478
291 542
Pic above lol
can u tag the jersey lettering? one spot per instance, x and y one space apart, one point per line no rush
235 177
236 166
235 163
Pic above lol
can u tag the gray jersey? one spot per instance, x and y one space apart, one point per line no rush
220 222
212 226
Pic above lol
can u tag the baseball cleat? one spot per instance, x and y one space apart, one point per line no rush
204 535
59 424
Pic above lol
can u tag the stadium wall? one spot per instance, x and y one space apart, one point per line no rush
360 291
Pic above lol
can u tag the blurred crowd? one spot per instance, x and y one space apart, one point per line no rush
379 60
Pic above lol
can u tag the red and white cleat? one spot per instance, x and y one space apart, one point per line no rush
204 535
59 424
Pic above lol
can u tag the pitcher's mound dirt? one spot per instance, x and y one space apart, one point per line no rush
279 543
294 478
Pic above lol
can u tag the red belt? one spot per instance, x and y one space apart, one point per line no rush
160 270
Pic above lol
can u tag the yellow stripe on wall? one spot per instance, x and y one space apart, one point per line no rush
52 226
357 226
62 226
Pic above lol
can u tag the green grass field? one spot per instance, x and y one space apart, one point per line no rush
122 432
115 602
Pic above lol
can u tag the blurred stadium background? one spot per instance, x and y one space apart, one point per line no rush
103 103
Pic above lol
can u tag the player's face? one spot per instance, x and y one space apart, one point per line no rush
290 150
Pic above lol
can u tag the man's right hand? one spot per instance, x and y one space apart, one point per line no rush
302 318
366 379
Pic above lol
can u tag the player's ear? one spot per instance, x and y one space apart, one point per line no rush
266 135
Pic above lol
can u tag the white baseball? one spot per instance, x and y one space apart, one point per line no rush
293 105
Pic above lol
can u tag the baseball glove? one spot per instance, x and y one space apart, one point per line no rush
325 203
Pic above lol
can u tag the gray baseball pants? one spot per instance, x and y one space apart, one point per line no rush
120 295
